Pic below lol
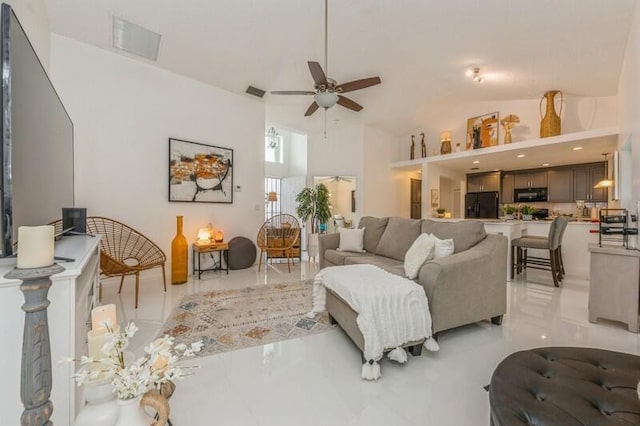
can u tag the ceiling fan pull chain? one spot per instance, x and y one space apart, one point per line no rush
325 124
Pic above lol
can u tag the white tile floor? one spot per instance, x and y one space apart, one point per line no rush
316 380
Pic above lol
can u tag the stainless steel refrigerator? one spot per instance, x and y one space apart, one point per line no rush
481 205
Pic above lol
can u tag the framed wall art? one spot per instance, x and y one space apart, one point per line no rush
482 131
199 172
435 197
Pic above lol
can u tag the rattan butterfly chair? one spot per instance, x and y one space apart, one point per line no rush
277 237
125 251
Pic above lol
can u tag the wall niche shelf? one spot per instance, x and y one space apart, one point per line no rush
556 151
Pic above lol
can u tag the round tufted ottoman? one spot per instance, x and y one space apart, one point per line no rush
565 387
241 254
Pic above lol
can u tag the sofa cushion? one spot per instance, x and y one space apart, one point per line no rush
398 236
420 251
336 257
390 265
443 248
465 234
351 239
373 229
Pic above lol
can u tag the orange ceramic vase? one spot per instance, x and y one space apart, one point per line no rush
179 256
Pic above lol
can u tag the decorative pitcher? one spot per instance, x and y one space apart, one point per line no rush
102 408
550 124
132 414
179 256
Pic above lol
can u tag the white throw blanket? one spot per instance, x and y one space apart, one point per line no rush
392 310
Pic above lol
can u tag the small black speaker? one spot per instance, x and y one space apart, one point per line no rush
74 221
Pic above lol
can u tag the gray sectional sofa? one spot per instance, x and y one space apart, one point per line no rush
466 287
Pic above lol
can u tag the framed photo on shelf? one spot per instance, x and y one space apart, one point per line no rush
482 131
199 172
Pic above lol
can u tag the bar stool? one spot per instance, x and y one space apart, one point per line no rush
553 243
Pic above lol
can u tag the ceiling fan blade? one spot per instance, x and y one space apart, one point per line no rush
348 103
318 75
358 84
312 108
292 92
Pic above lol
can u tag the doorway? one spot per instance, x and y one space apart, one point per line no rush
416 198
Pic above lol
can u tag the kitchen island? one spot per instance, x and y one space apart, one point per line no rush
575 244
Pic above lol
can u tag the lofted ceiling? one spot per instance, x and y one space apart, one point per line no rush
421 49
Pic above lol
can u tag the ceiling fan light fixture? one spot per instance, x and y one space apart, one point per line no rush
476 75
326 99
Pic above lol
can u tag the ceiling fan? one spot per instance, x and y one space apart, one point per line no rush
327 90
336 179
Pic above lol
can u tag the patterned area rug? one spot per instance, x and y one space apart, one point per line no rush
227 320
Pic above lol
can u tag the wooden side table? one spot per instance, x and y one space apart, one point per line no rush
199 249
615 285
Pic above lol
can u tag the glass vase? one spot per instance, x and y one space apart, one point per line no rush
179 254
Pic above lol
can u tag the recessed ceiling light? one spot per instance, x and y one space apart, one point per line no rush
476 162
520 155
545 164
577 148
496 170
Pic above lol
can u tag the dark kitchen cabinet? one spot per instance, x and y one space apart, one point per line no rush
560 185
584 179
507 188
483 182
532 179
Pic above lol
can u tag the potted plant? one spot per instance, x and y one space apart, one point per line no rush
313 204
440 212
527 212
509 211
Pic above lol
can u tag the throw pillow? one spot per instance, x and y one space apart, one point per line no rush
443 248
351 239
420 251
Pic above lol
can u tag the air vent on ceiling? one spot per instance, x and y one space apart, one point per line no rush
134 39
255 91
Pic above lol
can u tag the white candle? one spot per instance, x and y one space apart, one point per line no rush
35 246
102 316
96 340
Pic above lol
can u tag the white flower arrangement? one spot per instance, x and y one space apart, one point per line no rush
160 364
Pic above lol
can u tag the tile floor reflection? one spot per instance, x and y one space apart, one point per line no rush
316 380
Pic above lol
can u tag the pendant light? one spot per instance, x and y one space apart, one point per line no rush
605 183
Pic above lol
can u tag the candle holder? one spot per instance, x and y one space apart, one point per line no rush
35 374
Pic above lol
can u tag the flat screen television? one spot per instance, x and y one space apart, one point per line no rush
37 139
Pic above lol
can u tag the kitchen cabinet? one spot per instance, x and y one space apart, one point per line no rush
560 186
531 179
483 182
507 188
584 179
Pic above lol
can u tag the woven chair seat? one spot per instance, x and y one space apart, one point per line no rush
278 236
125 251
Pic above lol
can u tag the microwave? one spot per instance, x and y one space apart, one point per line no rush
529 195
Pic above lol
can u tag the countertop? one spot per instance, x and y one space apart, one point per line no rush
512 221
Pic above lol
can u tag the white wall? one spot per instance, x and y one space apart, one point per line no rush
629 106
431 180
386 191
34 18
124 111
579 113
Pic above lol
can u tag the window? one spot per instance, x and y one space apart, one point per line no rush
271 208
273 152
